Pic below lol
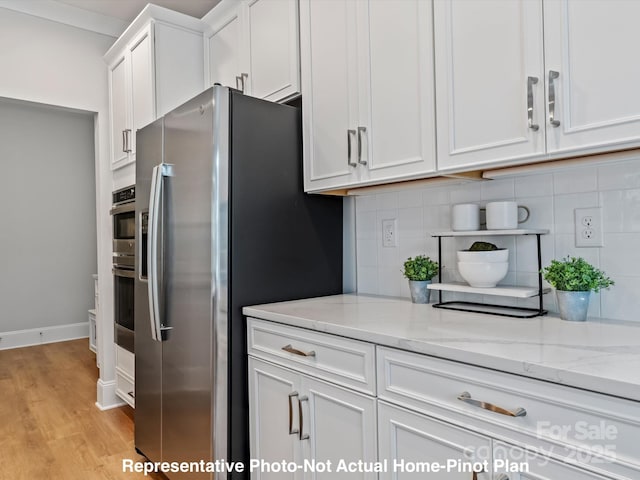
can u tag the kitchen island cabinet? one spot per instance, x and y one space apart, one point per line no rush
562 397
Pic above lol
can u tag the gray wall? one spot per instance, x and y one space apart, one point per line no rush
47 215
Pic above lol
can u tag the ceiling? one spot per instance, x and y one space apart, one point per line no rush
127 10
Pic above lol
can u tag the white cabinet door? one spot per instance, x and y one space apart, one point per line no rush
520 464
143 111
274 393
593 47
397 89
406 438
330 96
341 425
119 115
274 52
225 49
488 53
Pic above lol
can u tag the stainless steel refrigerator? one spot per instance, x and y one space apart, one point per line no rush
221 222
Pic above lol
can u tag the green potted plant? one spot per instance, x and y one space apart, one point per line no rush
574 279
419 271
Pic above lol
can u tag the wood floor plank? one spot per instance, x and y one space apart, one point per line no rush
50 427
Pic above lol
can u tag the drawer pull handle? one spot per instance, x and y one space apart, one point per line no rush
131 394
503 476
295 351
292 431
466 398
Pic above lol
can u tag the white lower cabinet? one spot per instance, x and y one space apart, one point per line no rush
417 446
125 375
297 419
421 417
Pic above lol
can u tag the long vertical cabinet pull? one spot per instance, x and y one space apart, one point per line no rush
361 131
243 78
531 81
124 141
350 149
303 436
292 431
553 75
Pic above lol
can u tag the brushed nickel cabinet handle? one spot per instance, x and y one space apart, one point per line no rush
128 140
131 394
295 351
361 130
124 141
466 398
531 81
349 162
304 398
552 98
292 431
243 77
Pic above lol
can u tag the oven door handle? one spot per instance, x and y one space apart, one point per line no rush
124 208
121 272
153 284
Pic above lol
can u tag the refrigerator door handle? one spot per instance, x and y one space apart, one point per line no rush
153 285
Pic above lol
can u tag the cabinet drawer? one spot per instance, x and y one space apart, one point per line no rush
561 421
343 361
125 361
125 388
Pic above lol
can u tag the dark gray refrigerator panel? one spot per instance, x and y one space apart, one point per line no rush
233 228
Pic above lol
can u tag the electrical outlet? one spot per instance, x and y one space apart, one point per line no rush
588 227
389 233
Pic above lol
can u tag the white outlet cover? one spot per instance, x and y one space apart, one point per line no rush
389 233
588 233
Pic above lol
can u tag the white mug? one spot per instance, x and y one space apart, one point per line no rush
465 217
504 215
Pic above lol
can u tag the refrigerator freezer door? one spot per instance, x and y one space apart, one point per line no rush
148 364
189 269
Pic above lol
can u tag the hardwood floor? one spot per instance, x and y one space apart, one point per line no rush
50 427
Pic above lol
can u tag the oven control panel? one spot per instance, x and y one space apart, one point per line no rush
124 195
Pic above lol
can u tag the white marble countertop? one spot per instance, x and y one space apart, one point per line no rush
598 355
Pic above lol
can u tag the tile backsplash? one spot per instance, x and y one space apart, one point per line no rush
551 198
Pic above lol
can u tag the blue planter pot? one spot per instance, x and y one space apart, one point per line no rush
573 305
419 291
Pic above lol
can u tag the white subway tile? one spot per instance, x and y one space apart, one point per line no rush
534 186
622 301
410 247
619 175
387 201
566 246
575 180
410 198
389 280
367 280
541 212
366 203
527 252
497 189
388 256
436 218
435 196
621 210
366 224
564 206
466 193
410 223
367 252
621 255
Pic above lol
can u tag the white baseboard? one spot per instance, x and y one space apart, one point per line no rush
38 336
107 398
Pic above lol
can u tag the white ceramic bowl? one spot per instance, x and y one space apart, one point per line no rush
483 274
490 256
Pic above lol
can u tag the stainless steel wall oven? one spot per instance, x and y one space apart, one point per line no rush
124 251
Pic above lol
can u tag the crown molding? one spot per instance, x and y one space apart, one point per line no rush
68 15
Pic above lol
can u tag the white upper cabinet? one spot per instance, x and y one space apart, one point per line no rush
368 93
489 81
253 46
509 94
593 46
153 67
